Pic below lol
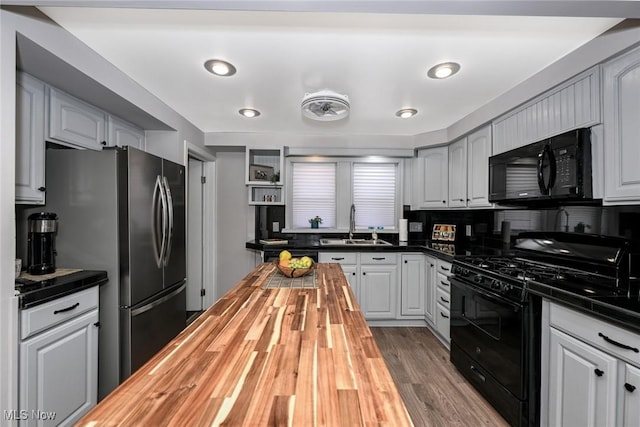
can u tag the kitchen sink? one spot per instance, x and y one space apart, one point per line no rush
354 242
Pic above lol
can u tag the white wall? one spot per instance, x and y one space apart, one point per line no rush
235 221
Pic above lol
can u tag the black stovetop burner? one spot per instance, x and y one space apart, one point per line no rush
586 265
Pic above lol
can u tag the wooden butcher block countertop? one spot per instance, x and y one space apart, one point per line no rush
264 357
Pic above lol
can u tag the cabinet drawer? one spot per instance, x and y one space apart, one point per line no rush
443 297
443 282
597 332
444 267
339 257
378 258
39 318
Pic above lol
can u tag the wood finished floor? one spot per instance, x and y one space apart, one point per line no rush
434 392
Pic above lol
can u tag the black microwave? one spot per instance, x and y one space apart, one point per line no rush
555 169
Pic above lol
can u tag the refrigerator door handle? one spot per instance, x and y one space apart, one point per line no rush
167 190
165 235
155 206
157 302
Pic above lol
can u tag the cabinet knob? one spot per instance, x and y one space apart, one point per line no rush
103 143
97 324
364 273
468 200
598 372
444 201
42 189
354 273
405 261
630 388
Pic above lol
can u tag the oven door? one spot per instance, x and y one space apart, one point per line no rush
489 329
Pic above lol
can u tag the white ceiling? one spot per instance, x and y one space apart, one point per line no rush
379 60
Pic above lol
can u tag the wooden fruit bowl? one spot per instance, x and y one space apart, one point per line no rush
294 272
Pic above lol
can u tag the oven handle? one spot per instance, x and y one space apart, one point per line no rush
487 295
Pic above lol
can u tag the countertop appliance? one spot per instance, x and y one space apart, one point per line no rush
123 210
41 243
558 168
495 308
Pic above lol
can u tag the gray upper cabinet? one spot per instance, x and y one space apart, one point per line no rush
431 178
458 174
621 101
30 111
75 122
478 153
571 105
121 133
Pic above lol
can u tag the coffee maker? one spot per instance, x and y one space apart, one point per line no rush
41 243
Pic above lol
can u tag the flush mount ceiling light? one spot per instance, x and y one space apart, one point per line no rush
220 67
405 113
249 112
325 106
444 70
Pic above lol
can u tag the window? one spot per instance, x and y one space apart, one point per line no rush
313 193
374 194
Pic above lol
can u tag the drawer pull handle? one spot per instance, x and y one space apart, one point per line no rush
617 344
444 300
598 372
379 258
444 268
444 315
444 283
475 371
337 258
630 388
62 310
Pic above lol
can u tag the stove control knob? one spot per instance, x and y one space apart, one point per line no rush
495 284
506 287
477 278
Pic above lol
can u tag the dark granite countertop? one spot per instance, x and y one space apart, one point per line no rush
439 249
32 293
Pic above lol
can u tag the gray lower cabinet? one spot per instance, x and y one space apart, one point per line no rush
430 291
350 266
443 301
378 285
412 285
590 370
59 360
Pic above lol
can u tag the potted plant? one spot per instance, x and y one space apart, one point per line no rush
315 222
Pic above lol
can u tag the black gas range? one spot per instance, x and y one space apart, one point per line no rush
495 308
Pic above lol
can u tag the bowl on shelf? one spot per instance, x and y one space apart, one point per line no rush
294 272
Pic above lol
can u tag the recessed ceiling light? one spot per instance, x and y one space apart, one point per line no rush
249 112
444 70
220 67
405 113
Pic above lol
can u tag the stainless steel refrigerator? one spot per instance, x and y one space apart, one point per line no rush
123 210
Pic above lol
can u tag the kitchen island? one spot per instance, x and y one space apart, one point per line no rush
265 356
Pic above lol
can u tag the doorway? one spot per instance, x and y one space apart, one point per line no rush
200 231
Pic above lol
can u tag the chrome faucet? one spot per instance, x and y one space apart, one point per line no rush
352 221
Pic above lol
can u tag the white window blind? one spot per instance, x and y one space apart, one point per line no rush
313 194
374 194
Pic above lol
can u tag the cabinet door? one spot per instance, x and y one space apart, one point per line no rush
478 153
621 128
582 383
412 285
432 170
631 391
430 290
378 291
59 372
75 122
122 134
29 140
458 174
